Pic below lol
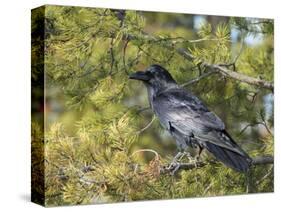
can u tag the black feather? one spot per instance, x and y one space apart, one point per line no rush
232 159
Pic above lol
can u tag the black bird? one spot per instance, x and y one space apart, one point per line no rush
188 120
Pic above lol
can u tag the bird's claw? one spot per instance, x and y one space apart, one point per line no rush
175 164
173 168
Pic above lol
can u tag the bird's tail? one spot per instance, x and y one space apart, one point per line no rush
230 158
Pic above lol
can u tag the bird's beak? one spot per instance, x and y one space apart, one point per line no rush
139 75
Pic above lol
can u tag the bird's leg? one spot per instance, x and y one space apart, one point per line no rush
179 156
175 165
192 160
199 153
175 169
175 160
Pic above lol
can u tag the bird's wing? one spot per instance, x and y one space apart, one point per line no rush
178 106
186 113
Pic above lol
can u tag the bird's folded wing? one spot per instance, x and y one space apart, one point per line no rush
186 110
186 113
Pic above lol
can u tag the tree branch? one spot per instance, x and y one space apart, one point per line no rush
219 68
197 79
261 160
240 77
147 126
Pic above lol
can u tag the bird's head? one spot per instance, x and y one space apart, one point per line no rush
155 76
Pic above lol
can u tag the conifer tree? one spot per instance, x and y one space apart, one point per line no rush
101 143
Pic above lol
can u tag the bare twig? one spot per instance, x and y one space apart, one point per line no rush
136 59
124 55
182 40
111 55
240 51
142 109
249 125
249 186
265 124
147 150
149 55
261 22
270 171
89 71
197 79
208 188
147 126
82 43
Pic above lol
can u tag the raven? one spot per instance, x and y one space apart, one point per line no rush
188 120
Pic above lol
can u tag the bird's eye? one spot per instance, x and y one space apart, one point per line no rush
149 73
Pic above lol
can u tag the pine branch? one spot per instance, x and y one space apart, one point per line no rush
147 126
221 69
240 77
261 160
215 68
197 79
